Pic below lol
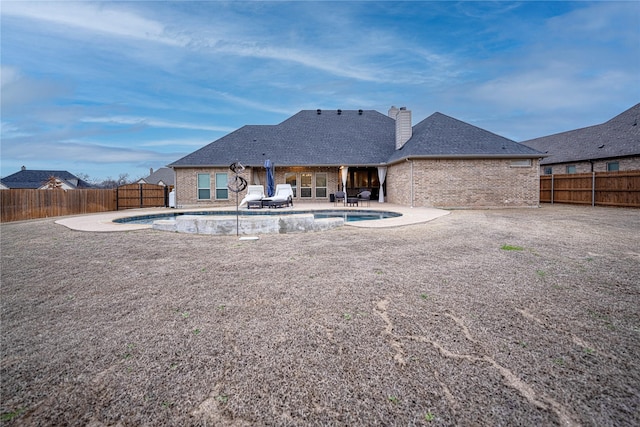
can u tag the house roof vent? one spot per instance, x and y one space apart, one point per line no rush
319 111
339 112
360 112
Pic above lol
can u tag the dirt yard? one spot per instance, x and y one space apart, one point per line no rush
488 318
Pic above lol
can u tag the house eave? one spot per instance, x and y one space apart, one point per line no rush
467 157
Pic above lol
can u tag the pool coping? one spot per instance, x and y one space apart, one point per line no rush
103 222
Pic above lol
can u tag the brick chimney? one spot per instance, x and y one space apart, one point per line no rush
402 116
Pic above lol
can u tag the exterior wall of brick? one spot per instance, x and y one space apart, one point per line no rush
624 163
187 180
463 183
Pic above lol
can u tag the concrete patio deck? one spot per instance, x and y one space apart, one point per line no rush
103 222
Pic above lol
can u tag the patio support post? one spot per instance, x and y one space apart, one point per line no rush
382 174
344 173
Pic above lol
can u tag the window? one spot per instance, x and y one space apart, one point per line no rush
571 169
292 180
222 192
204 186
521 163
321 185
305 185
548 170
613 167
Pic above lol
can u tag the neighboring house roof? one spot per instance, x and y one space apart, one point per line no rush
163 176
618 137
38 178
441 136
349 137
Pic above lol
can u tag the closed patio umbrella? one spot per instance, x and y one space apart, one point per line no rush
271 184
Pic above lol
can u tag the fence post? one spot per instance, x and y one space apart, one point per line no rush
141 196
117 198
593 189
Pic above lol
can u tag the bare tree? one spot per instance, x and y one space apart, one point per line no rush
53 183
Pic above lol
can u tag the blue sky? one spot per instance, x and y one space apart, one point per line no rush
105 88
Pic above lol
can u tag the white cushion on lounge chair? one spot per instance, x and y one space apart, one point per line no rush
283 192
254 192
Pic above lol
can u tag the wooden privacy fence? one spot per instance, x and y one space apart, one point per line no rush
142 196
593 188
21 204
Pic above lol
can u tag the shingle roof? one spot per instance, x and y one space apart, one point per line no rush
349 137
36 178
441 136
165 175
617 137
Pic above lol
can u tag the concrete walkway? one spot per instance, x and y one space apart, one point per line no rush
103 222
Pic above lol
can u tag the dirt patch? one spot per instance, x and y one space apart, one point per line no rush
502 317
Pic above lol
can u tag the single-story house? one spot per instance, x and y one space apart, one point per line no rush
43 180
163 176
439 162
610 146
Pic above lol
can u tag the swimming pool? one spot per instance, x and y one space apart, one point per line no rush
348 215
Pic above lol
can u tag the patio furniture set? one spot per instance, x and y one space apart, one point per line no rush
283 197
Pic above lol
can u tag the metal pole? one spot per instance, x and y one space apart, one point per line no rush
551 188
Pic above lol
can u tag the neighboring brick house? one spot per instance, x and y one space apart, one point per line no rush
610 146
43 180
440 162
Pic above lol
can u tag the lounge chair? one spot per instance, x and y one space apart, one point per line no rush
339 197
283 197
254 193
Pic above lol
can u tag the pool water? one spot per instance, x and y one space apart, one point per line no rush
349 216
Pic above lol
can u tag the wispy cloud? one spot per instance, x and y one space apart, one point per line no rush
106 18
143 121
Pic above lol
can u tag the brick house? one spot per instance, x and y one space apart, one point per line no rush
607 147
439 162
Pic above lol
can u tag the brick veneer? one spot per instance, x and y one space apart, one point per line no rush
187 192
460 183
463 183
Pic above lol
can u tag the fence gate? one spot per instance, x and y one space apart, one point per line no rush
141 196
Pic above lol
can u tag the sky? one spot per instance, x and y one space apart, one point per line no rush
109 88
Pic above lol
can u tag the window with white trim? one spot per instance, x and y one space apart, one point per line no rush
204 186
305 185
222 191
571 169
321 185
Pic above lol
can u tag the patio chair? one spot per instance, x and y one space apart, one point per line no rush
339 197
364 196
282 197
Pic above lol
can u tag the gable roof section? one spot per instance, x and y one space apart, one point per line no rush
618 137
441 136
305 139
37 178
165 175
